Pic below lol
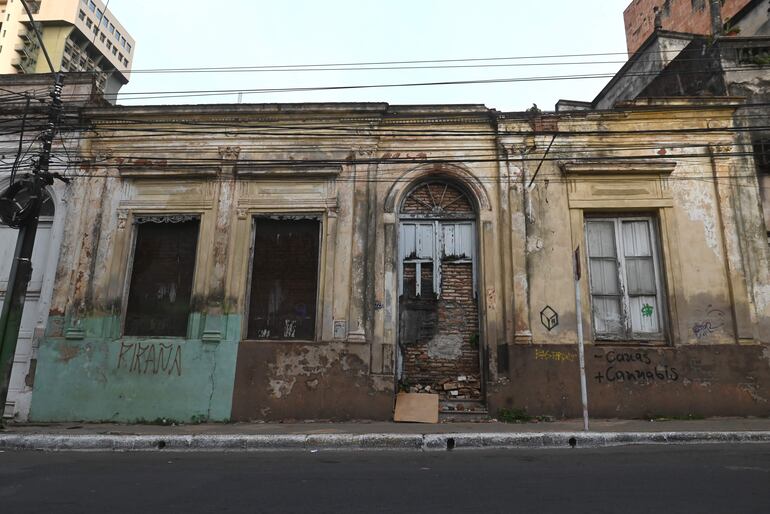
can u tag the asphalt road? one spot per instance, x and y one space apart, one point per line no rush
661 479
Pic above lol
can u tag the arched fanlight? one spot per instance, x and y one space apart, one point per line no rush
437 198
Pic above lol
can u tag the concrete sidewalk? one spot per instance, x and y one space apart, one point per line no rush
379 435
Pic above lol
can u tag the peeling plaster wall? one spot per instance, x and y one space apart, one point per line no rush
549 254
278 381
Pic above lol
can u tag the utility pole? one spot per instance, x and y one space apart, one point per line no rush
20 208
581 349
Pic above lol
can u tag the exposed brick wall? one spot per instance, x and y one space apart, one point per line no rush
453 319
690 16
450 199
426 286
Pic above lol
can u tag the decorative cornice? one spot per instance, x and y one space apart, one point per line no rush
133 172
436 121
229 153
634 167
270 171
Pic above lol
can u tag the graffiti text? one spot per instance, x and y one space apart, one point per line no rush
151 358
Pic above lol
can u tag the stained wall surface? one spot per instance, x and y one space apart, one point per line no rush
688 16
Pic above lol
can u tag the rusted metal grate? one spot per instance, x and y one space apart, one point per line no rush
284 279
162 276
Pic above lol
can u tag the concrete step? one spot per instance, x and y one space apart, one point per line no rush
467 411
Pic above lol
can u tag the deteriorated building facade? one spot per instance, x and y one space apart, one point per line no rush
307 261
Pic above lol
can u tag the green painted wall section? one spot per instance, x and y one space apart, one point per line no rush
85 375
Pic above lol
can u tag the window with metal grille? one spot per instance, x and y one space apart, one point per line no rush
284 279
757 55
624 278
762 155
162 276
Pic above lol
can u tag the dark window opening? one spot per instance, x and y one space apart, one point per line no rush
161 280
284 279
423 289
762 155
756 55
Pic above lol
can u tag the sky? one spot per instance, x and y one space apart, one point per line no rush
250 33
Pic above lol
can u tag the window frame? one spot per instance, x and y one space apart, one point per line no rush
437 255
629 335
761 154
317 324
130 271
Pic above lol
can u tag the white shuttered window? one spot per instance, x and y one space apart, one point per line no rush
624 277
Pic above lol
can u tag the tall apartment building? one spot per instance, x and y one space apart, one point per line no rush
690 16
80 35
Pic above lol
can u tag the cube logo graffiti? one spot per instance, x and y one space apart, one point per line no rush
549 318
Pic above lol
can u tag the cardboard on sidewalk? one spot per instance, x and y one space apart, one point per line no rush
416 408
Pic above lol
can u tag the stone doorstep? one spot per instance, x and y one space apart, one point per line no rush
469 411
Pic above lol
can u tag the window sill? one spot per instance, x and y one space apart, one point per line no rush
629 343
302 341
155 339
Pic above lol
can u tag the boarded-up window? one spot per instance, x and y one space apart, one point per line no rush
284 279
626 297
162 276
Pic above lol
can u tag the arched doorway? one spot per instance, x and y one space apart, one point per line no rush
35 305
439 337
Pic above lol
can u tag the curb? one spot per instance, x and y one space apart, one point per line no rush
419 442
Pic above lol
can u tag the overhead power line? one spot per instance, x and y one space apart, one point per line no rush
405 64
377 63
543 78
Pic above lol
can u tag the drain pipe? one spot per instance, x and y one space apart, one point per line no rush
716 18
